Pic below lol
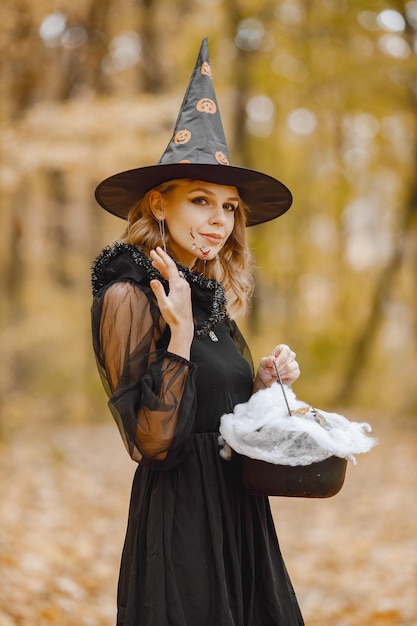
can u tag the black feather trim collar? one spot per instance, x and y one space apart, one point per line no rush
121 261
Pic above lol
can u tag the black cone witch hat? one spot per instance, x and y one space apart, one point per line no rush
197 151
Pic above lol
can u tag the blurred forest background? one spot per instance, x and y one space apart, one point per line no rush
321 94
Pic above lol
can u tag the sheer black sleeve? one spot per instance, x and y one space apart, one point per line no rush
151 391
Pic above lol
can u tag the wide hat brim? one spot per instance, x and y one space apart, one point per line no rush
266 197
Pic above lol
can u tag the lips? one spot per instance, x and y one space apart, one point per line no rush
212 238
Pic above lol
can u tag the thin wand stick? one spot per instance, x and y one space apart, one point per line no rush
283 390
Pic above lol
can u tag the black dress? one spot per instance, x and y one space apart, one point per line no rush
198 550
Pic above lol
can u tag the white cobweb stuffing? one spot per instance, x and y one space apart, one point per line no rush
262 429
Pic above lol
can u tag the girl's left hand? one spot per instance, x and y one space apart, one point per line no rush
287 366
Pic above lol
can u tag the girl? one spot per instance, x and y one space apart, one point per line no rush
199 551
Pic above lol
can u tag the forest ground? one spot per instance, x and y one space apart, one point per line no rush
64 494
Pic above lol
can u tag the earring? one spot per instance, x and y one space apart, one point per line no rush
161 224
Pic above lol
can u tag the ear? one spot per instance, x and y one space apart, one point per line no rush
155 203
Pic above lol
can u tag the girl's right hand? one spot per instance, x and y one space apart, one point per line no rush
175 307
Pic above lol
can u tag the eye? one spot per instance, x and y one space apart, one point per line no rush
199 200
230 207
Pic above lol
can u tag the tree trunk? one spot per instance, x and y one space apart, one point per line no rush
152 76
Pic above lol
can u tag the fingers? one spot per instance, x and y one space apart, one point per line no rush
283 354
165 264
281 359
286 363
290 373
175 306
159 291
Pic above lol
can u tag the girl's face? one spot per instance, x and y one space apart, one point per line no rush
200 217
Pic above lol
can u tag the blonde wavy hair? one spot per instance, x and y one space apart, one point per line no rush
233 266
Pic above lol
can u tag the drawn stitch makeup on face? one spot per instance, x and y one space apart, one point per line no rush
193 245
203 248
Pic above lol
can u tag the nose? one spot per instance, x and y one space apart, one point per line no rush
217 215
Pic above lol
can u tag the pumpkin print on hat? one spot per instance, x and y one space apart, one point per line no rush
221 158
206 69
182 136
197 150
205 105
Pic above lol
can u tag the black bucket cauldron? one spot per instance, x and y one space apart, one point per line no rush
322 479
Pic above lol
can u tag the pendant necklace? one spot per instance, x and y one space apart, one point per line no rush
213 335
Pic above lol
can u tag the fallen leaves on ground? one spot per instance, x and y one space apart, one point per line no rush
64 494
